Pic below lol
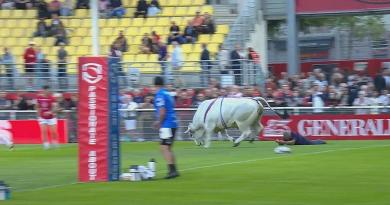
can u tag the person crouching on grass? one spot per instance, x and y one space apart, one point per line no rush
166 124
294 138
46 106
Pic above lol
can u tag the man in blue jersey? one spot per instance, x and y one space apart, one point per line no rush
166 123
294 138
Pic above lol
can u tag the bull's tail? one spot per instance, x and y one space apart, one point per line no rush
261 99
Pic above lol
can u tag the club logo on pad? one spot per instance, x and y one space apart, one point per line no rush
92 72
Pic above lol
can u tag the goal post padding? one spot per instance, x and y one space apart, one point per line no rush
98 120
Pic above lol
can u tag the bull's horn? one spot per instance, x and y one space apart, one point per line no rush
187 131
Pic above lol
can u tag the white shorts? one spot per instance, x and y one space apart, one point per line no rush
52 121
130 124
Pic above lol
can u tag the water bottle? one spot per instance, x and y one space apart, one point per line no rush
152 167
135 175
5 192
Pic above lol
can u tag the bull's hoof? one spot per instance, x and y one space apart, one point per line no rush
236 144
251 140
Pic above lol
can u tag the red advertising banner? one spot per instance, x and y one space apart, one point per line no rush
93 119
329 127
29 131
337 6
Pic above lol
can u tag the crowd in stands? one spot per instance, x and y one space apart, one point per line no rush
315 89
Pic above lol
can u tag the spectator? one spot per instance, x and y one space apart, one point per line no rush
205 65
56 24
177 56
384 100
61 37
137 96
142 9
43 10
223 58
343 95
62 60
283 79
254 61
7 59
208 25
199 98
236 58
5 104
386 75
317 99
184 100
379 81
156 3
82 4
103 8
26 104
333 97
23 4
30 59
117 9
67 103
190 34
153 10
235 92
67 8
7 4
163 57
122 41
155 37
197 22
55 7
146 44
362 100
42 29
130 116
42 67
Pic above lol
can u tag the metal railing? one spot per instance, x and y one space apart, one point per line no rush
191 74
144 119
244 24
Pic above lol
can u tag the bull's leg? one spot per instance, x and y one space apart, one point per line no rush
207 139
256 128
245 130
231 139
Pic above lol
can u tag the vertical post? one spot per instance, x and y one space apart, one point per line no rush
292 39
93 4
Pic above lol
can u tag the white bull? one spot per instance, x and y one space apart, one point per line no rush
216 115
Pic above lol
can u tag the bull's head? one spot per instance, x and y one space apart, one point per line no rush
194 134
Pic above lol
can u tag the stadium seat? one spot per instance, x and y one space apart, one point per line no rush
87 41
192 10
19 32
143 30
168 11
197 48
30 14
177 20
150 22
5 14
138 22
185 3
142 58
204 38
22 41
82 50
112 23
208 8
103 40
82 13
213 47
102 23
163 21
5 32
193 56
86 23
132 31
125 22
75 23
198 2
172 3
18 13
133 49
128 58
12 23
223 29
190 67
106 31
82 32
133 3
186 48
25 23
3 23
217 38
153 57
181 11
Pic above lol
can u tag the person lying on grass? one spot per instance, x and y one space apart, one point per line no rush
294 138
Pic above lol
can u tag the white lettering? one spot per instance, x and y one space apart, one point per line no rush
92 165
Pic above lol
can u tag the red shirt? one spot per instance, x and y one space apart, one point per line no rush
45 105
30 55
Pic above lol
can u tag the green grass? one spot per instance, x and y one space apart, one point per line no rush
341 172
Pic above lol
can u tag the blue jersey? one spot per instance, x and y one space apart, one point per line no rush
164 100
299 139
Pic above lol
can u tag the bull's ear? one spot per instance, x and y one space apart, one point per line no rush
188 130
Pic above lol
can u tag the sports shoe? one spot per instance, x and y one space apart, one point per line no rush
172 175
11 147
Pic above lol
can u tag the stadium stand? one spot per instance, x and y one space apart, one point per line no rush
18 26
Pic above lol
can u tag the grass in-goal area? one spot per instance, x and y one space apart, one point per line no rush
342 172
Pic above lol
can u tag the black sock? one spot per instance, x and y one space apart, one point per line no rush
171 168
